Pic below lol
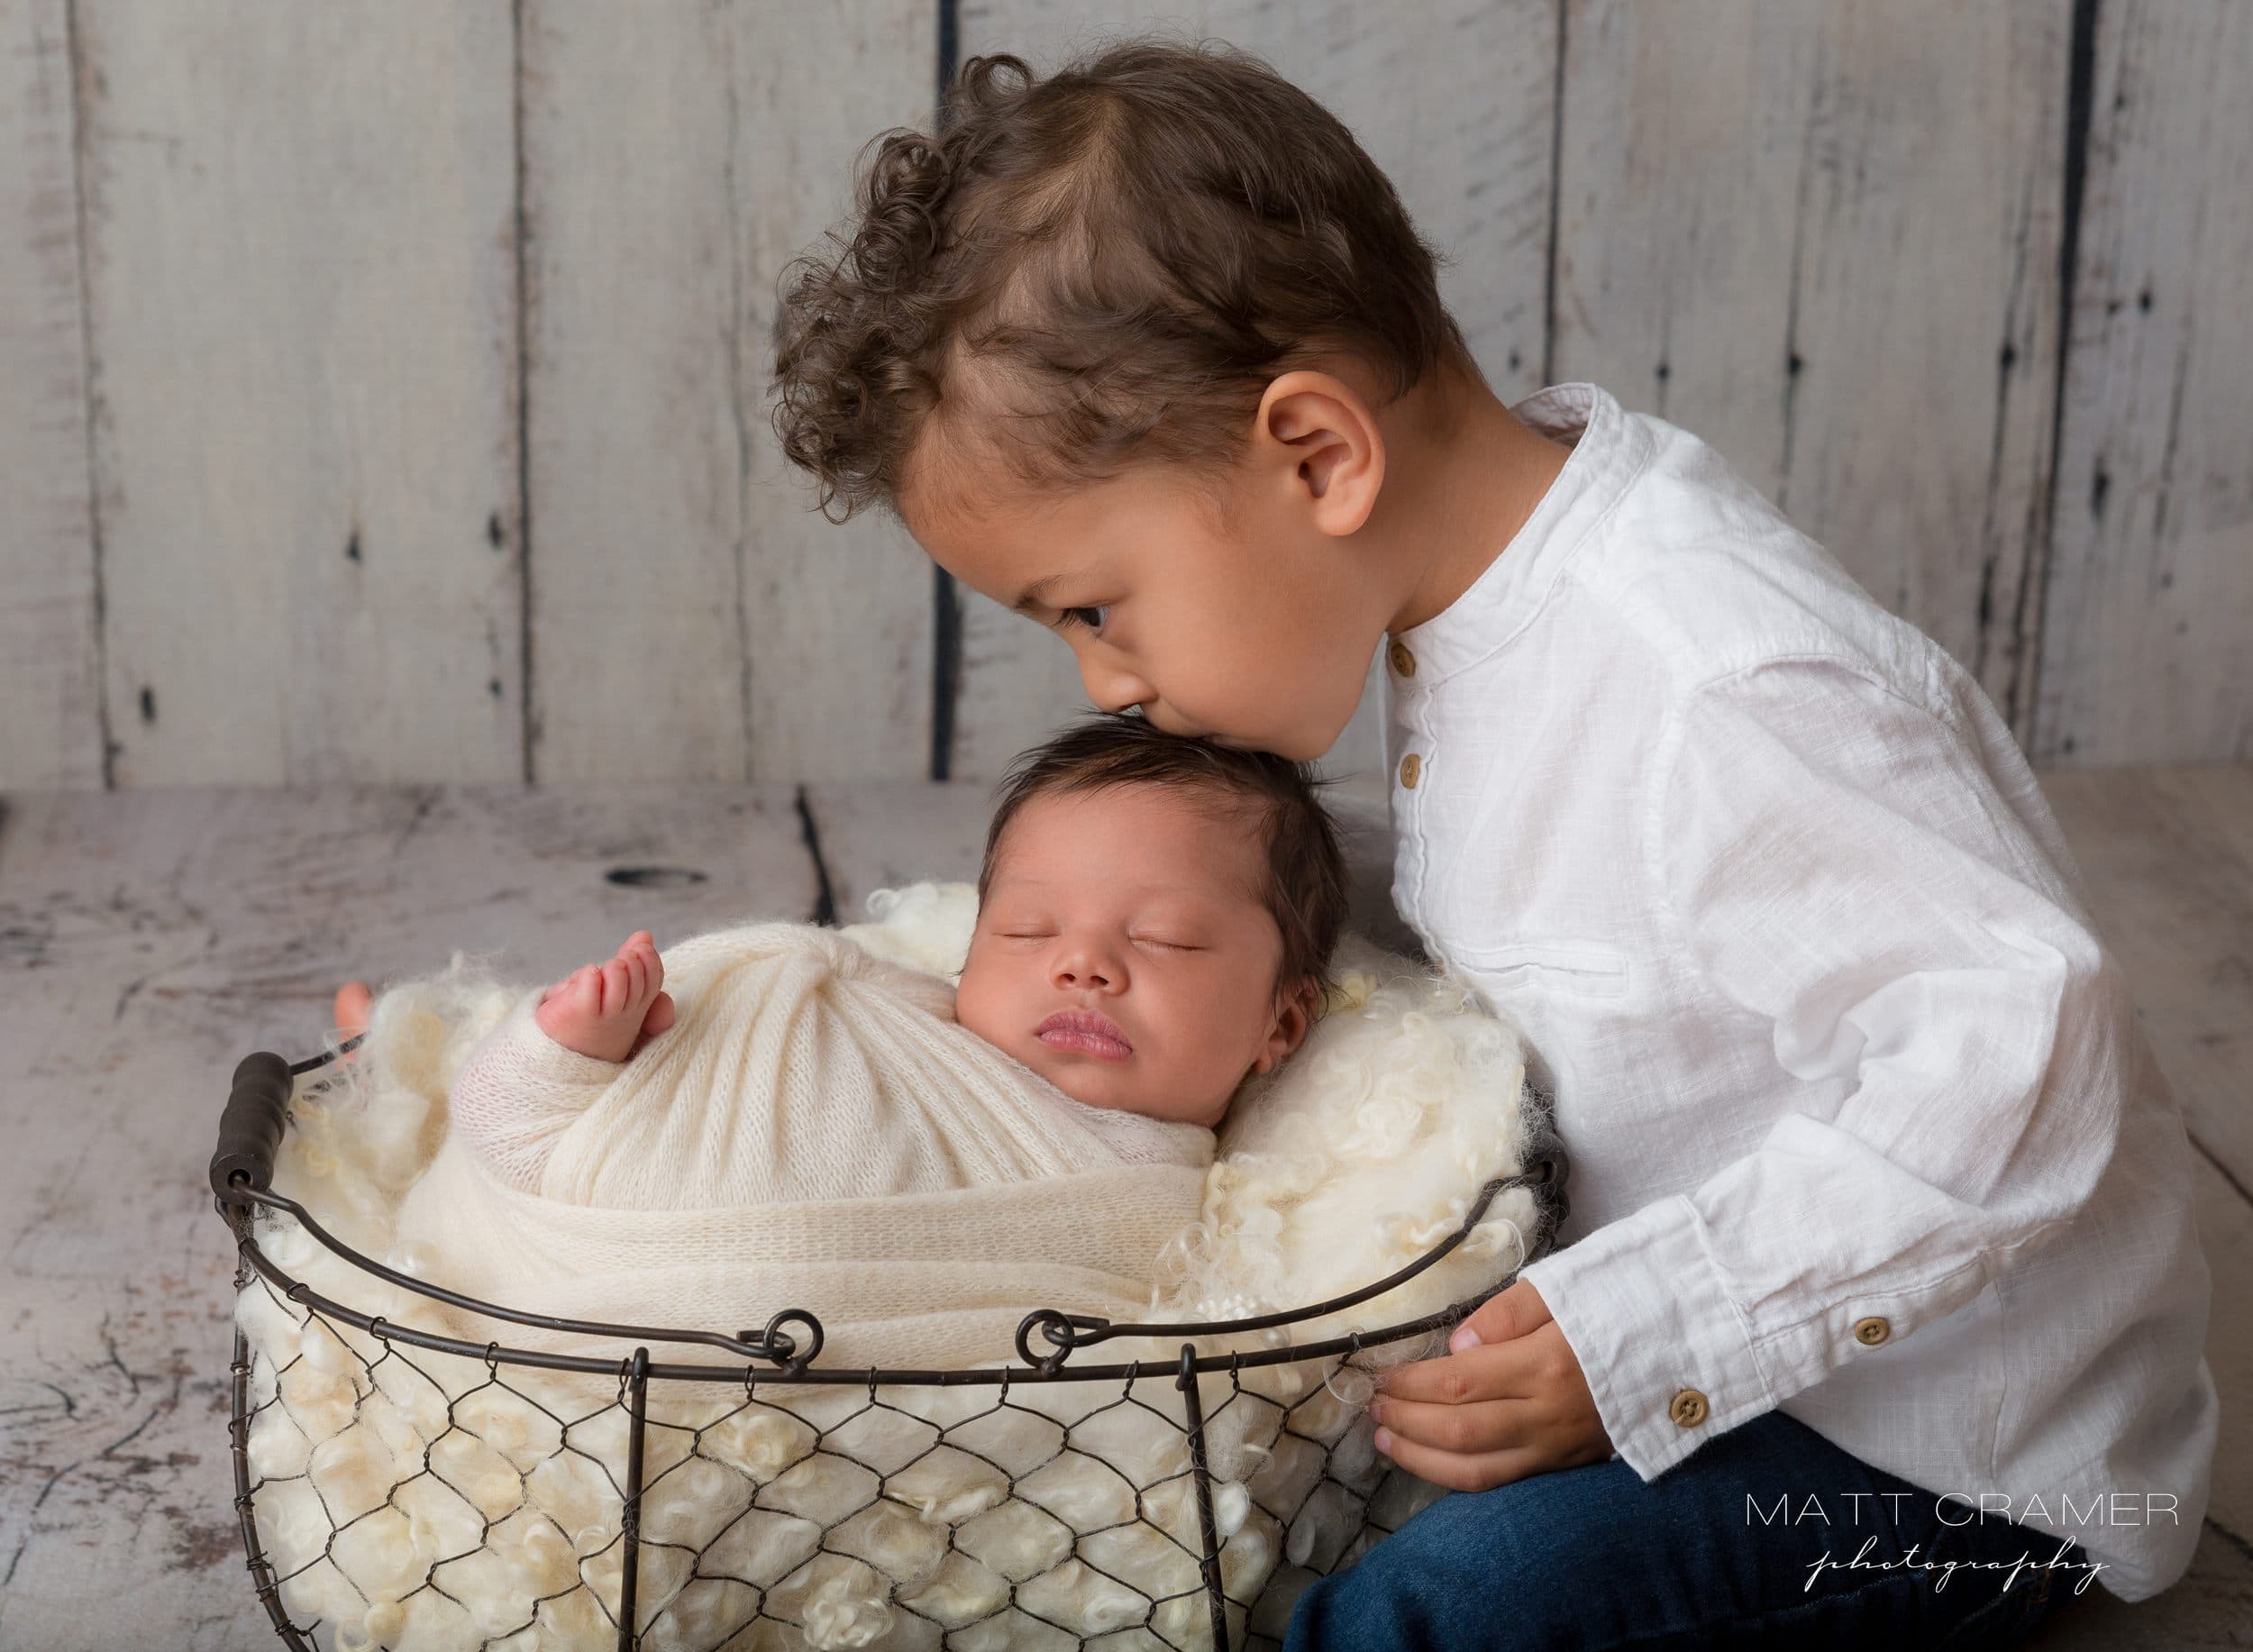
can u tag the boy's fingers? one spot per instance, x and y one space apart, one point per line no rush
1460 1379
1507 1315
1480 1473
614 986
1460 1430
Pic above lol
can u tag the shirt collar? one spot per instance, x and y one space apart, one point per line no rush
1609 450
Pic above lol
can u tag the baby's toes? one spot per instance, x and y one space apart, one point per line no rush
563 993
617 987
566 1009
582 994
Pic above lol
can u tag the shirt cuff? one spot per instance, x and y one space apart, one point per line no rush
1669 1357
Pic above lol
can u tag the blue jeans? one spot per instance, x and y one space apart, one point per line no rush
1704 1556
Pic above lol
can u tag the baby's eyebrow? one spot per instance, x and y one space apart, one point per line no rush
1030 596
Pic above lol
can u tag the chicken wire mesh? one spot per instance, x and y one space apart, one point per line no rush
404 1490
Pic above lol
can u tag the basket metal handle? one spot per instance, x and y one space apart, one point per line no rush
250 1129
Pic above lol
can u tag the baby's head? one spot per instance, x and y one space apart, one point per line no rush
1155 917
1127 349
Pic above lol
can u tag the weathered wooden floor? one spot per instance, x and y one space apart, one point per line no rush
149 938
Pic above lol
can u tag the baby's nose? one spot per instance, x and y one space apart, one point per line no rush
1082 968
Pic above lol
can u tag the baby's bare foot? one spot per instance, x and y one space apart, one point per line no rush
609 1011
350 1013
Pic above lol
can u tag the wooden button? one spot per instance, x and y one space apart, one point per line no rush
1870 1331
1409 766
1403 660
1688 1409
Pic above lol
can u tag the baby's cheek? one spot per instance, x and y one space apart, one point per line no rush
978 1004
968 1004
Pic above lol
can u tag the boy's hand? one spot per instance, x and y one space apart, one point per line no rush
1510 1401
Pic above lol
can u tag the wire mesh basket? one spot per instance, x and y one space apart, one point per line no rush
422 1490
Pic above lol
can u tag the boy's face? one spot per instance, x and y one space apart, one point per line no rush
1244 611
1122 954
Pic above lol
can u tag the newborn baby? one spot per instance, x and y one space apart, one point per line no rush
1155 918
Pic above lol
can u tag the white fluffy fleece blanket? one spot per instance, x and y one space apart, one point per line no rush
415 1500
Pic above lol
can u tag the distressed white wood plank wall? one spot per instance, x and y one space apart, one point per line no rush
50 714
1825 239
689 618
383 387
2149 644
302 298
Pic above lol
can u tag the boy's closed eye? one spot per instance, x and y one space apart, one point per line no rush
1092 616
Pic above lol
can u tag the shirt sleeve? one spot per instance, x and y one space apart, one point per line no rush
518 1090
1850 874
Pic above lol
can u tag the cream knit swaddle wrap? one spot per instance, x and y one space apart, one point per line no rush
815 1129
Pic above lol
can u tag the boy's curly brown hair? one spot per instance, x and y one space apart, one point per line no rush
1129 251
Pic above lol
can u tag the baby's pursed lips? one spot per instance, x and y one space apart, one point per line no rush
1091 1022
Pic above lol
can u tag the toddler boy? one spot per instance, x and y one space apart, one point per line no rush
1879 1198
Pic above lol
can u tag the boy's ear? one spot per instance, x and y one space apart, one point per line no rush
1320 429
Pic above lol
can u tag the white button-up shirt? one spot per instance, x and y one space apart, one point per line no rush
1862 1126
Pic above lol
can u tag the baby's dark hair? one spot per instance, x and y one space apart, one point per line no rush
1304 886
1128 251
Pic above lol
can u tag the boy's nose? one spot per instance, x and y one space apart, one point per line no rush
1112 689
